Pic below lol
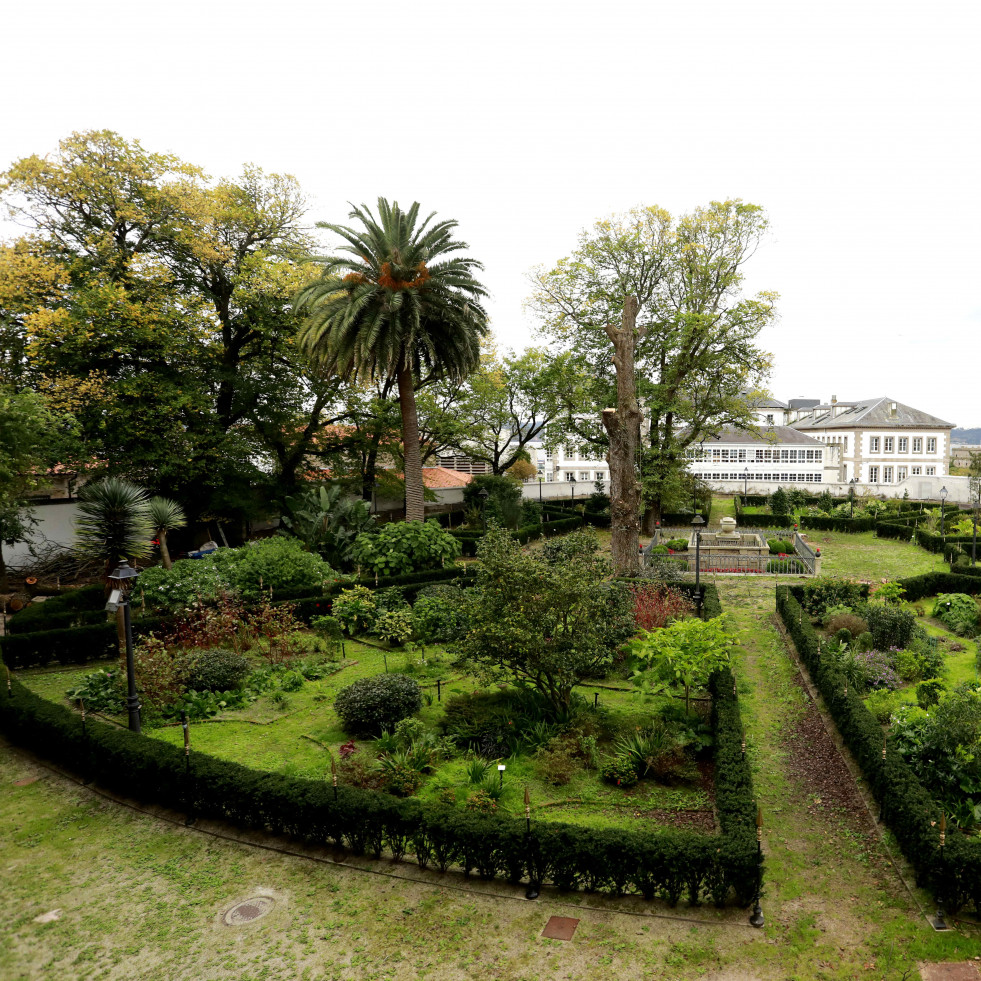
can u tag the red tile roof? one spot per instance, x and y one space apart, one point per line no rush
439 477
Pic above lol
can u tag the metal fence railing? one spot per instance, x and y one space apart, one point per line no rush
802 562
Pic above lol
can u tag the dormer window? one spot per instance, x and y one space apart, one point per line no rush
769 419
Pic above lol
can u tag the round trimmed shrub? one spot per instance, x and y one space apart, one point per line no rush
847 621
371 706
217 670
678 544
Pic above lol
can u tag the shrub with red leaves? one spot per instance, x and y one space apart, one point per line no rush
657 606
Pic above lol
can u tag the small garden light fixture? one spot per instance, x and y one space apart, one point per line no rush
500 772
122 580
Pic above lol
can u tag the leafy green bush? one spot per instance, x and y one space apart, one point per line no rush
928 693
890 626
678 544
824 592
217 670
355 610
372 705
188 584
780 546
503 505
621 770
958 612
394 626
437 619
832 611
100 691
327 627
276 563
402 547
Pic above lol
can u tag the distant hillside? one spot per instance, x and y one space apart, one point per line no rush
971 436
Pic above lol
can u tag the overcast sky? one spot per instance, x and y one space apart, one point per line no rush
854 124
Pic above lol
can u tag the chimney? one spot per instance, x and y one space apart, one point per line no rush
834 406
892 410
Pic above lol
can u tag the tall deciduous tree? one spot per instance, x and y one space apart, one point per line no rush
397 303
156 304
696 351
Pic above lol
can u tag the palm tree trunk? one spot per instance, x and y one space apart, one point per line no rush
415 510
164 551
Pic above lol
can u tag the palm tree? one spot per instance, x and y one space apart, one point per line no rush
396 304
166 515
114 521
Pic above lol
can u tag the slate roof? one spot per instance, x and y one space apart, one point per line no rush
871 414
771 435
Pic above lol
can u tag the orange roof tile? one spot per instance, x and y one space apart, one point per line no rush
440 477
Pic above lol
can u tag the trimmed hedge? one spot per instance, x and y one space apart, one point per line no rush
74 645
932 583
907 808
668 864
768 521
816 522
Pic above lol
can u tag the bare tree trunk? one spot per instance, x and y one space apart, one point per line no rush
415 509
622 425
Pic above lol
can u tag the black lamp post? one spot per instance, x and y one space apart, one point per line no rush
697 523
851 498
943 500
745 485
122 582
483 494
940 922
572 480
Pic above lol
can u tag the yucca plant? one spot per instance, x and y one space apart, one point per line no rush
166 515
114 522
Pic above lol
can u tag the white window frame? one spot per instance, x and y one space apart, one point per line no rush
931 471
917 444
904 444
931 444
873 475
873 444
900 474
888 443
916 471
887 475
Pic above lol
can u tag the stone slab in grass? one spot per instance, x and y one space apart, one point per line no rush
954 971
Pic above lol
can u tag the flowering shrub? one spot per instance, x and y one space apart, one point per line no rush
655 606
877 670
355 610
190 583
271 564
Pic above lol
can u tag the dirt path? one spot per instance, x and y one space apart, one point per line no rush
832 890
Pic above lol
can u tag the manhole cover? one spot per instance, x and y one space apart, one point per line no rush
249 910
560 927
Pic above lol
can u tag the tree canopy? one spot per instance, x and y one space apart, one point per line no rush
696 350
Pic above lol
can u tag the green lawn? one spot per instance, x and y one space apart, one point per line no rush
142 898
293 733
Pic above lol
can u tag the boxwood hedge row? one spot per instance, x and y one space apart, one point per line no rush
668 864
907 808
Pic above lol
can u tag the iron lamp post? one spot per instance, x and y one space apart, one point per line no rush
697 523
122 580
483 494
745 485
572 480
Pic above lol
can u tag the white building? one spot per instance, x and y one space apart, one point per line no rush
764 455
881 441
585 466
